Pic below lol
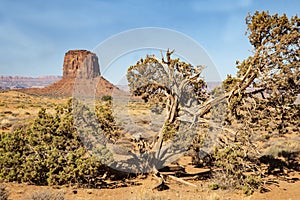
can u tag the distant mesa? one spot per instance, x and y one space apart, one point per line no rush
80 70
81 64
15 82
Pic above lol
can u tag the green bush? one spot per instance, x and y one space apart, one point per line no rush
213 186
49 151
106 119
3 105
169 131
106 98
233 174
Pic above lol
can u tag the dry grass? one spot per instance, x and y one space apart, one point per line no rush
3 193
47 195
135 117
18 108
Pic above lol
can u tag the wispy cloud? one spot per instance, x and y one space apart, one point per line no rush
32 35
59 14
35 34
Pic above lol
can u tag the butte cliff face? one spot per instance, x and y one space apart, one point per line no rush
80 64
81 74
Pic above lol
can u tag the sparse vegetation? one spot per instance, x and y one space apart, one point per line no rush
249 120
3 104
49 152
257 104
106 98
3 193
213 186
260 102
47 195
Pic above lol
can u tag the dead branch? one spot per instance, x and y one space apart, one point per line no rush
182 181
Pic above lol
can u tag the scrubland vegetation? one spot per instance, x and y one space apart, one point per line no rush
251 122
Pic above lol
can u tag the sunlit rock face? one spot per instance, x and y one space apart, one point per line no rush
80 64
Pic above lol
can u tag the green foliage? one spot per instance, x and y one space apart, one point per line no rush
106 98
106 119
48 152
213 186
273 69
150 76
3 105
261 101
232 160
276 41
229 83
263 27
169 131
177 83
252 182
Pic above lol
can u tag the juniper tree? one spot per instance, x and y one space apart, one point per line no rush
262 94
172 78
263 90
180 86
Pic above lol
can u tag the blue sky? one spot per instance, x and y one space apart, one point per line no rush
35 34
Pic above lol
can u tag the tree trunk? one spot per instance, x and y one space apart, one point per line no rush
173 112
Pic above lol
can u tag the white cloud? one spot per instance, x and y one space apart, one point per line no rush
60 15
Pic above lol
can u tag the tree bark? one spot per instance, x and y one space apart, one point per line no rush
173 110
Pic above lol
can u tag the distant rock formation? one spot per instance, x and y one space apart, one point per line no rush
13 82
81 77
80 64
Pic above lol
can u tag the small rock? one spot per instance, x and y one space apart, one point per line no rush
89 191
19 191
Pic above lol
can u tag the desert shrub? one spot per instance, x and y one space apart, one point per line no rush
106 98
49 151
3 193
213 186
234 164
6 126
8 112
106 119
15 114
35 105
47 195
21 106
3 104
169 130
199 157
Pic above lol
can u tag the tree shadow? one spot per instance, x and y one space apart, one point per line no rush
284 160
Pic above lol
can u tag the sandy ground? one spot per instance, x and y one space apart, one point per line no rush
15 106
280 191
